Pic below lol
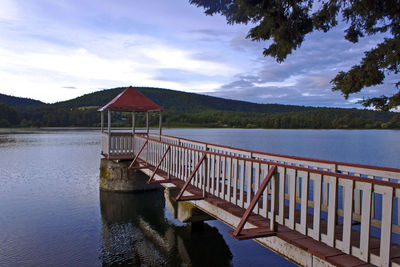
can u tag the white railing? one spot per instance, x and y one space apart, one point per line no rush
117 144
363 171
320 199
373 172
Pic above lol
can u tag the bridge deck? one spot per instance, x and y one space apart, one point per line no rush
343 214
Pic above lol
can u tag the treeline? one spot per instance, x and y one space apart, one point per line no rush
189 110
316 118
8 116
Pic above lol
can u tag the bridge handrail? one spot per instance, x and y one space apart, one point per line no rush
298 168
296 189
385 173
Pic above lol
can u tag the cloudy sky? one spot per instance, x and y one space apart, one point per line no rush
57 50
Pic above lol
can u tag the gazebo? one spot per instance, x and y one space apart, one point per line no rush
130 100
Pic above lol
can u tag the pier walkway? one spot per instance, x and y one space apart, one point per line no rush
313 212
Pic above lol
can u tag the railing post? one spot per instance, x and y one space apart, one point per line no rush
348 188
169 165
205 179
386 226
363 251
274 202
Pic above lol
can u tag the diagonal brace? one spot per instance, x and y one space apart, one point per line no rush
253 202
190 178
159 164
137 155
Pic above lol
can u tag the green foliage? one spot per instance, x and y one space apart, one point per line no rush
8 116
287 22
319 118
193 110
54 116
371 72
394 123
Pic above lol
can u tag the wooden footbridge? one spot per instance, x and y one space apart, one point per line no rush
313 212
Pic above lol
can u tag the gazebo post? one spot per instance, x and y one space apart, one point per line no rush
160 124
102 121
147 123
109 132
133 131
133 123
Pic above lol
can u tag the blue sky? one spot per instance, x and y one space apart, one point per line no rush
57 50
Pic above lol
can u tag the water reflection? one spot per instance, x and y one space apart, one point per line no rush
136 231
6 140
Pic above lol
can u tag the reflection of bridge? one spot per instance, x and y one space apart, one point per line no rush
135 232
310 211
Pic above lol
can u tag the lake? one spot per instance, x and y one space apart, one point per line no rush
52 212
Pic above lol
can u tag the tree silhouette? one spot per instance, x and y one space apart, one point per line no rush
286 22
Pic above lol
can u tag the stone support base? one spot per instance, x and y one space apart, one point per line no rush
115 176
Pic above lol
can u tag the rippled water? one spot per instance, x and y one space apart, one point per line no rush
52 213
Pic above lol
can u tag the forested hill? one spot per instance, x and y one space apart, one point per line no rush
191 110
14 101
181 101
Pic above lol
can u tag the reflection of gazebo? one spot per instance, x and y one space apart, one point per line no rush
130 100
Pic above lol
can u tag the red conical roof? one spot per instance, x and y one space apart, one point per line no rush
131 100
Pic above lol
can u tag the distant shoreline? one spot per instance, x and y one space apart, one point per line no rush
66 129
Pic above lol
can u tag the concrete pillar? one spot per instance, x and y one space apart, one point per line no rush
184 210
115 176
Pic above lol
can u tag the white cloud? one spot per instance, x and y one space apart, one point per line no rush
168 57
291 81
52 46
119 60
8 10
354 100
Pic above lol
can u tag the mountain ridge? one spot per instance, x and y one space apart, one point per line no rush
168 99
182 109
16 101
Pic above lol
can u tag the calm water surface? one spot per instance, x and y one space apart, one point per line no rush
52 213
